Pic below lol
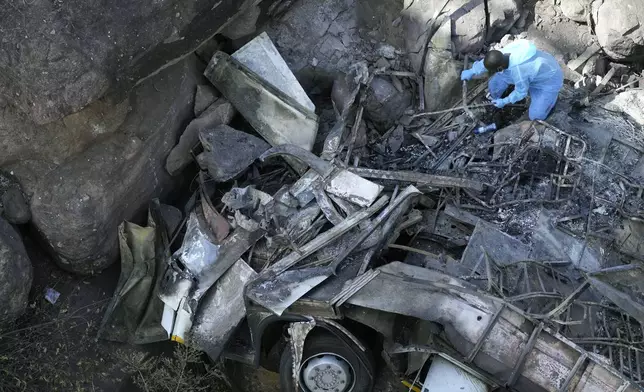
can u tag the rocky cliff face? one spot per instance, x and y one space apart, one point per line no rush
78 206
59 56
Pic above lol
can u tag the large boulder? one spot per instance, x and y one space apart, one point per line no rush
620 28
78 206
319 39
466 20
16 273
385 104
58 56
576 10
21 139
443 84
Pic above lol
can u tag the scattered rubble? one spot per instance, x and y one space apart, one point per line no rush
204 97
520 228
339 177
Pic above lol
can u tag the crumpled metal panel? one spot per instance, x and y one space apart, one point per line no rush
489 331
221 310
298 333
197 252
279 118
261 56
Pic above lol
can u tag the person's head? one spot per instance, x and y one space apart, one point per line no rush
496 61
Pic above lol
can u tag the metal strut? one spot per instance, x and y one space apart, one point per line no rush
582 359
524 354
486 332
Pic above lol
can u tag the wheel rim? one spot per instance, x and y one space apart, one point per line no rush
327 372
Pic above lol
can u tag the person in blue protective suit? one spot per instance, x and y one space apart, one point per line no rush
531 71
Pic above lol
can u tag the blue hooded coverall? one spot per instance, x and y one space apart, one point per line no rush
530 71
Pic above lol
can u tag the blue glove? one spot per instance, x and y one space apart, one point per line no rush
499 103
467 74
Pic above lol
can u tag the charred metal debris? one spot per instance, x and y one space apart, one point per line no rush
519 228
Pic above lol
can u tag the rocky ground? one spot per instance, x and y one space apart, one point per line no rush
94 101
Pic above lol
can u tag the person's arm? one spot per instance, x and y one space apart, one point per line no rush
519 93
478 68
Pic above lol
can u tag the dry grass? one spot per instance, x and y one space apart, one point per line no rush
54 349
185 370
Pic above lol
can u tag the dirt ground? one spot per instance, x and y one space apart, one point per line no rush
53 347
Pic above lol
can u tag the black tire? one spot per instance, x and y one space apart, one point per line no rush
323 342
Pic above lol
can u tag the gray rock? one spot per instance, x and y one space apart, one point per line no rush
78 206
305 36
204 97
228 152
443 84
384 103
220 112
387 51
575 9
507 39
382 63
59 56
244 25
620 69
15 206
16 274
382 19
29 173
521 23
629 102
22 140
620 28
13 203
